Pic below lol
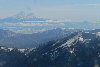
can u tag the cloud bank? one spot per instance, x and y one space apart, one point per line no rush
94 4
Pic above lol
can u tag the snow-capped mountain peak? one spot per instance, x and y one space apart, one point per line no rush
23 15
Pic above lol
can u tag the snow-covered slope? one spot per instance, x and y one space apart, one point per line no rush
81 49
77 50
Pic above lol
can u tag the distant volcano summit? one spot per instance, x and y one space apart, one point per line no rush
22 16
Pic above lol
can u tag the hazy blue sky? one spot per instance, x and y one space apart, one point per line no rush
75 10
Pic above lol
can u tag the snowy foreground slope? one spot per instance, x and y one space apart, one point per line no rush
81 49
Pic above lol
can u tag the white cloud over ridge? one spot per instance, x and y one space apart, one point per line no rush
94 4
25 24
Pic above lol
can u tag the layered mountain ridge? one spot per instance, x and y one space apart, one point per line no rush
11 39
